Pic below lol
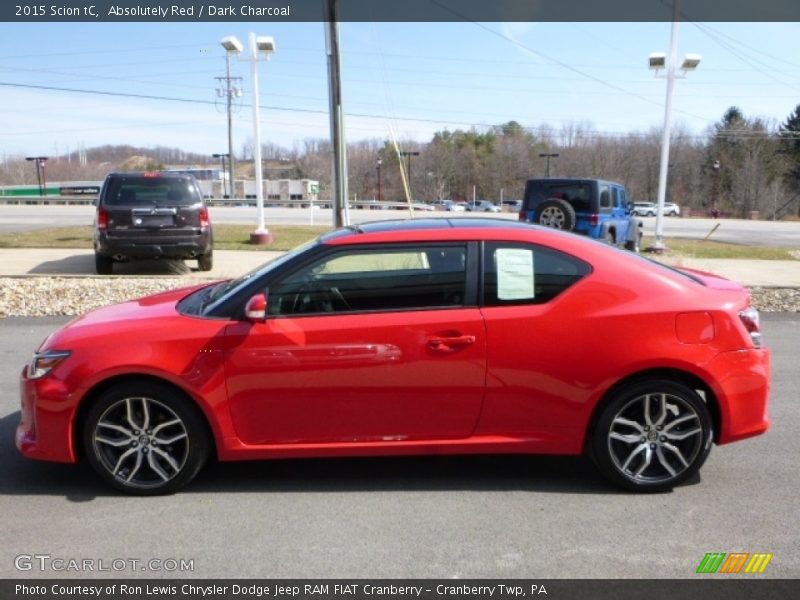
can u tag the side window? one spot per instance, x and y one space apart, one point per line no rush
616 193
358 280
525 274
605 197
623 201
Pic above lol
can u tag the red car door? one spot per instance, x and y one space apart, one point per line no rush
344 378
341 371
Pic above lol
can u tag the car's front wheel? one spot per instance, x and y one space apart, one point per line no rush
651 436
145 438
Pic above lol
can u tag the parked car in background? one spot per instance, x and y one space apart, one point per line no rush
482 206
448 205
592 207
151 215
644 209
671 209
424 336
423 206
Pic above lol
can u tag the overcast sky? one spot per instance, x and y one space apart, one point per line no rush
415 79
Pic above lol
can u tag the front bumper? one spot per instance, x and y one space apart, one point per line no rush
45 428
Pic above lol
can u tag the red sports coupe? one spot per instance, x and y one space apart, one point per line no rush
427 336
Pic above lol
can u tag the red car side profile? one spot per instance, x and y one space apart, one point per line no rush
426 336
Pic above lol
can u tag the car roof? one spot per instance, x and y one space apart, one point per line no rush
436 228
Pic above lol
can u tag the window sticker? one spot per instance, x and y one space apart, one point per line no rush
514 273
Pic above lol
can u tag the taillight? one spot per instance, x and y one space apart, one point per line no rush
594 220
102 219
204 220
752 323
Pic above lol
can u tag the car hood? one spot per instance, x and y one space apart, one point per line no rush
104 322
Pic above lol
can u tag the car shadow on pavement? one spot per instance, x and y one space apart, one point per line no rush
83 264
540 474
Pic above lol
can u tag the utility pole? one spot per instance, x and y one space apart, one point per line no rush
339 196
229 92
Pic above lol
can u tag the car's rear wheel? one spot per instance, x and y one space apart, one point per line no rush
103 265
205 262
652 436
608 238
145 438
556 213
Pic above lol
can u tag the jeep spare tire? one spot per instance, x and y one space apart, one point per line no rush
556 213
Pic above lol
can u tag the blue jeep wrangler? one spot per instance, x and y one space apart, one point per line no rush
593 207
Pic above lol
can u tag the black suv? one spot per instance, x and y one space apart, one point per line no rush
151 215
593 207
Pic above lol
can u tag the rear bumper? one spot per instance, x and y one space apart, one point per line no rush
163 246
743 377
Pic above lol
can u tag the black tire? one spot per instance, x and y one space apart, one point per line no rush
205 262
556 213
635 245
608 238
657 452
145 438
104 265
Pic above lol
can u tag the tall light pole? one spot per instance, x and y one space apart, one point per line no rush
40 162
548 156
266 46
339 198
659 61
378 167
233 47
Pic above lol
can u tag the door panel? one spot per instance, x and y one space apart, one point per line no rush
357 377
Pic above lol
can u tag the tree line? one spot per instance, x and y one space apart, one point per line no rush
740 166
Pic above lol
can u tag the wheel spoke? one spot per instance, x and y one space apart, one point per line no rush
129 413
629 423
631 438
135 467
115 427
145 414
647 418
648 456
662 415
680 420
151 460
116 443
122 458
167 457
677 452
172 440
632 455
664 462
157 429
683 435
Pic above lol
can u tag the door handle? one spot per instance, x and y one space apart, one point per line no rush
450 344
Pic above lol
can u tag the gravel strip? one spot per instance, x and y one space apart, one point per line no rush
53 296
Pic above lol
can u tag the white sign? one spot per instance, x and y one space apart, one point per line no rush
514 274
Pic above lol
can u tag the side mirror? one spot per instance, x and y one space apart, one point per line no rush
255 310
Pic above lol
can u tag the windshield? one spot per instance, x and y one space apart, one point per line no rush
226 289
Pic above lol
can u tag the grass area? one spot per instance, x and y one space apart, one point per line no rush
226 237
712 249
237 237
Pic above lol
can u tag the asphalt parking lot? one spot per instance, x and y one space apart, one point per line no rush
439 517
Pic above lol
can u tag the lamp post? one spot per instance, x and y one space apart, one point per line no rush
548 156
657 62
715 190
223 157
378 168
408 156
40 162
233 47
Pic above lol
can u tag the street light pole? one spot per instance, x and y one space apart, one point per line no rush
40 162
232 46
657 61
378 167
408 156
548 156
266 45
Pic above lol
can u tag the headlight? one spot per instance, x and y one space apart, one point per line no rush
44 362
